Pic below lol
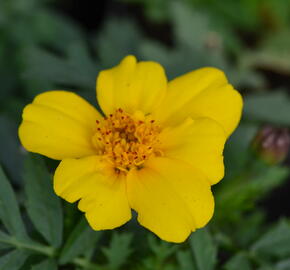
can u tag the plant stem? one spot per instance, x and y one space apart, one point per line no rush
29 245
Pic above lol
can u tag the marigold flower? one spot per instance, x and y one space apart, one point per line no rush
158 149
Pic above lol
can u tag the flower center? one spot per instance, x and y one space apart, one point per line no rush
127 141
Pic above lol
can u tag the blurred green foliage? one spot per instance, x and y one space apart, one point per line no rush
41 49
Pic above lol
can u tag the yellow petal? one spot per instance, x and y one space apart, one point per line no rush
202 93
199 142
59 124
171 198
102 194
131 86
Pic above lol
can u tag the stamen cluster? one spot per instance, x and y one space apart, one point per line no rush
126 140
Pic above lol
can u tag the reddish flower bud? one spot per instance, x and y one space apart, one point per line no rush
272 144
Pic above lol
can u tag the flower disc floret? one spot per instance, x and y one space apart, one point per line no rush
127 141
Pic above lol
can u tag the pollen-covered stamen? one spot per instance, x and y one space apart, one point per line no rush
126 140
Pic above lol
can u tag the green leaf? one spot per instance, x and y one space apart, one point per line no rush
119 250
43 206
191 35
9 210
45 265
13 260
190 27
161 249
9 144
81 64
204 249
185 260
238 262
283 265
273 107
4 239
275 242
75 69
254 182
117 39
266 266
247 230
81 240
56 29
237 150
273 53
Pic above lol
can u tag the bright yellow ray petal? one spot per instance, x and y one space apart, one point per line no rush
131 86
102 194
171 198
199 142
202 93
59 124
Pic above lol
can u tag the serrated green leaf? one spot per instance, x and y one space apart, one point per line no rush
13 260
275 242
238 262
9 210
81 240
273 107
43 206
45 265
185 260
161 249
118 38
119 250
204 249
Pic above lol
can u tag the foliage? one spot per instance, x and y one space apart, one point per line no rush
42 49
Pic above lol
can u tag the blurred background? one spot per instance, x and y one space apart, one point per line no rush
63 44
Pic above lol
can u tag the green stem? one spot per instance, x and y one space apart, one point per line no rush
46 250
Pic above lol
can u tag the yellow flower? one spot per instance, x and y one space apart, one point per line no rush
158 149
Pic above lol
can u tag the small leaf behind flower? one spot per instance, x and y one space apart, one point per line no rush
185 260
118 251
260 107
82 239
43 206
9 210
204 250
275 242
238 262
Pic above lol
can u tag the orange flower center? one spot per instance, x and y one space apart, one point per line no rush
127 141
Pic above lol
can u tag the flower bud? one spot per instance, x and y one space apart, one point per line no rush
272 144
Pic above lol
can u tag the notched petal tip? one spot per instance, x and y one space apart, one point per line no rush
101 195
132 86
